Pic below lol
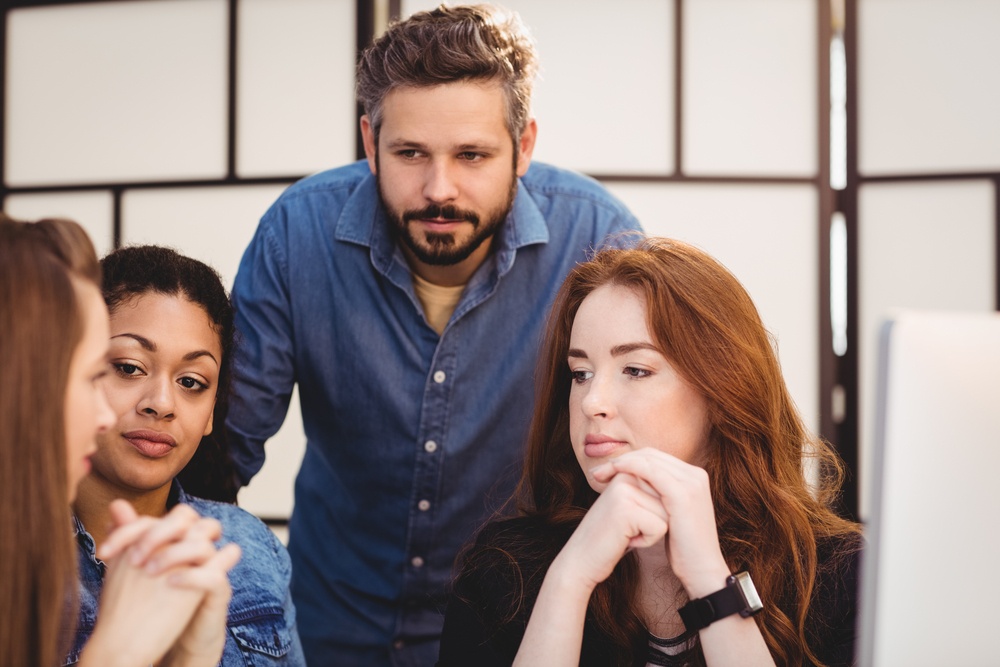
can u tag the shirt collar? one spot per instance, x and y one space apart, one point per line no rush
177 495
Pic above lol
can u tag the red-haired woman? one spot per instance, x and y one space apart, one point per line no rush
664 517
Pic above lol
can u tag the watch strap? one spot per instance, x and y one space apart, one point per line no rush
739 596
701 613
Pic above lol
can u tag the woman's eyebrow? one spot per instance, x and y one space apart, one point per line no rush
625 348
146 344
191 356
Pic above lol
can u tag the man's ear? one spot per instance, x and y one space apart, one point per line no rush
368 137
526 146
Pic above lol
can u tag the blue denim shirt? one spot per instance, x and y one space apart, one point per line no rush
413 439
261 614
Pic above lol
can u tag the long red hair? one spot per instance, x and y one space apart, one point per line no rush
769 518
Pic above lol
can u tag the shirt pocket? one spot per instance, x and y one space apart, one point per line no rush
261 631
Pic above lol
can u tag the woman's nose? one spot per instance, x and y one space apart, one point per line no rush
158 400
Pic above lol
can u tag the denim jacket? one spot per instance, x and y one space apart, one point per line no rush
261 624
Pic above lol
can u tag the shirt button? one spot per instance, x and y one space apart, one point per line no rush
430 446
439 376
424 505
417 561
398 644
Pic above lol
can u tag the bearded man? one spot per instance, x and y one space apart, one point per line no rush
406 296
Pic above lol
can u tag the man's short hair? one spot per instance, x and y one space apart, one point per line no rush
449 44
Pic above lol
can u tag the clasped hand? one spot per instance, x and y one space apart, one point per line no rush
650 497
166 592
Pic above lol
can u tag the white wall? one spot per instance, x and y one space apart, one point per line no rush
927 104
135 91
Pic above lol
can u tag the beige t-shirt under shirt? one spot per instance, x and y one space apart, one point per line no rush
438 302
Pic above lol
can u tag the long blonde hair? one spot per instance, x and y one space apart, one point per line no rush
41 325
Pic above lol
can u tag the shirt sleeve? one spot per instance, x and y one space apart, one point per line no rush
263 368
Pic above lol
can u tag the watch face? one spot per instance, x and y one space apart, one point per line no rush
749 592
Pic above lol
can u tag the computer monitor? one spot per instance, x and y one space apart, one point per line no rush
930 587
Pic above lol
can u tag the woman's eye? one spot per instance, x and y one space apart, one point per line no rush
580 377
191 383
128 370
632 371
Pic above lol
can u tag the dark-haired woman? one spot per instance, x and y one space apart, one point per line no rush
171 342
664 516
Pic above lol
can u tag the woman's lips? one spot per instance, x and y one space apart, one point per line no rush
150 443
599 446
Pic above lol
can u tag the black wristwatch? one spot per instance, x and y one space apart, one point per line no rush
739 596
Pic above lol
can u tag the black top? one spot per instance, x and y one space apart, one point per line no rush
484 623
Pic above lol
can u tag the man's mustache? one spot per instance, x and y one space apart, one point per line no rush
448 212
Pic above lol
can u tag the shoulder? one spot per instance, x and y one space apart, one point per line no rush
549 185
517 538
838 559
344 178
834 604
505 564
316 193
239 526
493 594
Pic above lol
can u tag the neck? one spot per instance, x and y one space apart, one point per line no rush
660 592
452 275
96 493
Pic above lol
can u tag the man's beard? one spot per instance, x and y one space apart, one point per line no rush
440 249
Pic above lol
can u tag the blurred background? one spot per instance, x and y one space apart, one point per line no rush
842 157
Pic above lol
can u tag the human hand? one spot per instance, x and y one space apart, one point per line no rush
624 517
160 574
683 491
170 537
202 641
141 614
